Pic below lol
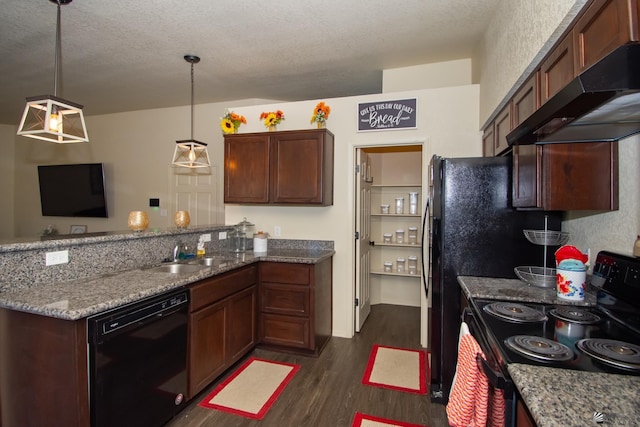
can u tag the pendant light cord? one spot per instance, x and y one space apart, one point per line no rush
192 84
58 53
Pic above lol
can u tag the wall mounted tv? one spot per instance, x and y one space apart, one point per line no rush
73 190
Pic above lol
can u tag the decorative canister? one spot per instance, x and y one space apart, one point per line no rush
138 221
260 242
571 283
182 219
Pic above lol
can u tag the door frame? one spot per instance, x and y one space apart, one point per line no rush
426 157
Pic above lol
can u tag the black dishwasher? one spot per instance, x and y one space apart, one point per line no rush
138 362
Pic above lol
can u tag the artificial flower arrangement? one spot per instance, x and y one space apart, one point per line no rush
231 121
272 118
320 113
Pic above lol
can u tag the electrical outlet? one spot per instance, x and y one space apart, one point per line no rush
277 231
59 257
205 237
222 235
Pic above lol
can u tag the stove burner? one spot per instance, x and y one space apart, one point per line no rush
538 348
575 315
615 353
514 312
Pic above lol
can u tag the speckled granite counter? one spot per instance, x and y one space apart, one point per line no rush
515 290
561 397
566 398
76 299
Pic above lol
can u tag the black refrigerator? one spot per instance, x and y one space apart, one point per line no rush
474 232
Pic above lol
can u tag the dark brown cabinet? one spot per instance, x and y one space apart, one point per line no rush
488 149
222 324
295 306
557 70
283 168
566 176
604 26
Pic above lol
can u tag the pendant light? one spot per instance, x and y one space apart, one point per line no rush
48 117
189 152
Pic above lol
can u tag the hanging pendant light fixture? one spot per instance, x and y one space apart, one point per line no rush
48 117
189 152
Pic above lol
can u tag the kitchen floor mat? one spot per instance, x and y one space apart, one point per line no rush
397 369
364 420
252 389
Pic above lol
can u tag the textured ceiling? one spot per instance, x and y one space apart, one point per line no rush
128 55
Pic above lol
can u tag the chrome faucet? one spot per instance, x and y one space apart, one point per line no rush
176 251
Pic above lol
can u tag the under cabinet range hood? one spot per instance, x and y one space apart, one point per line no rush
601 104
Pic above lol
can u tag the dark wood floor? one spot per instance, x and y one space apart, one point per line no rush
327 391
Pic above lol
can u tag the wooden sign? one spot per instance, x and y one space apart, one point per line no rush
387 115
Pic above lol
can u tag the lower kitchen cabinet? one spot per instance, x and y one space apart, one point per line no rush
295 306
222 324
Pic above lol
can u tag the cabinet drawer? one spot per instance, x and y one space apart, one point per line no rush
284 299
276 272
287 331
214 289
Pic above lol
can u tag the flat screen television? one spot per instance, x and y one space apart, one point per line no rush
73 190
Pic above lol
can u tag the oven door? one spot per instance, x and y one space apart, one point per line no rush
499 380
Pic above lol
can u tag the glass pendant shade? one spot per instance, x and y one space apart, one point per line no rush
53 119
190 153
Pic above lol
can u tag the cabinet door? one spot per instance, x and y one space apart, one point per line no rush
302 168
242 328
526 176
503 127
557 70
287 331
207 341
605 25
580 176
526 100
246 169
487 141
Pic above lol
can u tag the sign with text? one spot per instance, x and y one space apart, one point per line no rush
387 115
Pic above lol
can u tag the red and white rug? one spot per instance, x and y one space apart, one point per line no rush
252 389
363 420
397 369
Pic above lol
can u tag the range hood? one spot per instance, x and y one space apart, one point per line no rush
601 104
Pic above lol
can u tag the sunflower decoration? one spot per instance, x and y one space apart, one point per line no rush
272 118
320 113
230 122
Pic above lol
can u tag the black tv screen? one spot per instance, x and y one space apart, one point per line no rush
73 190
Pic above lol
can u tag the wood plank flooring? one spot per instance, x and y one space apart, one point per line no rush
327 391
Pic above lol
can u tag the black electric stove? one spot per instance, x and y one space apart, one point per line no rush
603 338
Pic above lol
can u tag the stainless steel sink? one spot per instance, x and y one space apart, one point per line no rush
211 261
176 268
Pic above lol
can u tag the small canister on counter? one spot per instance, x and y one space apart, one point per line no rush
260 242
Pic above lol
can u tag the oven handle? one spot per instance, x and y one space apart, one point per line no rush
495 378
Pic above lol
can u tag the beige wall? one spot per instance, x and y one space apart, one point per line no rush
447 125
7 178
520 33
427 76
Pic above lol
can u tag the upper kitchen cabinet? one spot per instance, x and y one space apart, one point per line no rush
605 25
561 177
280 168
494 138
557 69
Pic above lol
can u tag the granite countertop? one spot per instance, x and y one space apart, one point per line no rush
77 299
515 290
566 398
561 397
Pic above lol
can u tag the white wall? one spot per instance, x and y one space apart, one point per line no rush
7 150
447 125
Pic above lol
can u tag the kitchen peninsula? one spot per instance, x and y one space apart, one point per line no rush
557 397
43 327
